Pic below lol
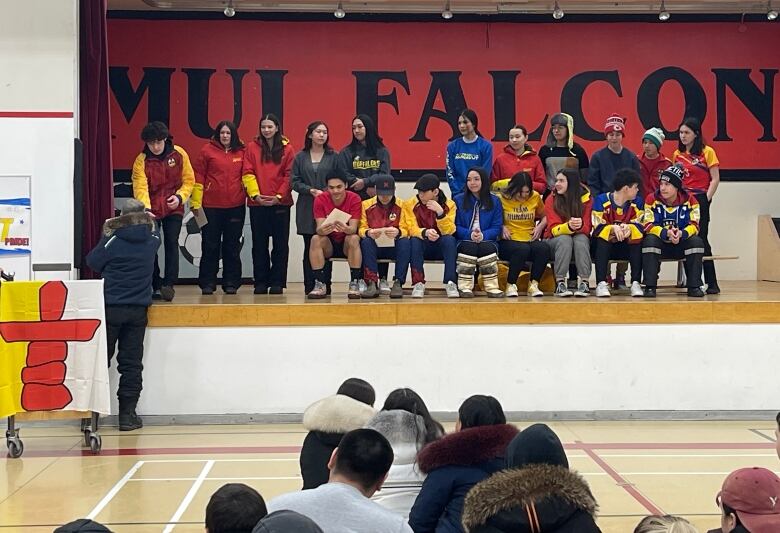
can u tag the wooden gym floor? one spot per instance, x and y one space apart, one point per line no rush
160 478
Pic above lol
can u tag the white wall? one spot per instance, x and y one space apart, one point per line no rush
280 370
39 65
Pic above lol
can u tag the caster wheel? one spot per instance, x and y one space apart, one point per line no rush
86 437
85 423
15 448
95 443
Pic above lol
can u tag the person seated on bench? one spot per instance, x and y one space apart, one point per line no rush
336 239
523 207
618 230
568 230
429 218
380 223
478 222
671 231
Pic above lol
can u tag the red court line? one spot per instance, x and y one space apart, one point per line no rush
36 114
622 482
672 446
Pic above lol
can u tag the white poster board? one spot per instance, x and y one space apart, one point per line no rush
16 226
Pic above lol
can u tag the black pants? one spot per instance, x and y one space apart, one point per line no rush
270 223
704 232
127 324
221 237
171 226
518 253
477 249
308 273
603 251
654 249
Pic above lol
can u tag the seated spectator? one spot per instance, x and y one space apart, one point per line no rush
671 231
524 224
568 228
748 502
430 222
664 524
286 522
618 231
537 492
381 216
336 239
82 525
406 423
518 156
234 508
327 421
478 227
457 462
358 467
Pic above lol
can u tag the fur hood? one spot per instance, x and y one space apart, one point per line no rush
111 225
405 432
467 447
337 414
554 494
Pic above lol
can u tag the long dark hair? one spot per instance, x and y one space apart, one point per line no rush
698 143
373 140
471 115
310 129
569 204
276 150
485 198
516 184
411 402
235 140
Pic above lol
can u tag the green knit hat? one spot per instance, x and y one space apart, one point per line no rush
655 136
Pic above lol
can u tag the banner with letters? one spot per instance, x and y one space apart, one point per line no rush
15 224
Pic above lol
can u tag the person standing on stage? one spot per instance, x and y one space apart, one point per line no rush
219 192
518 156
469 151
561 151
266 174
653 161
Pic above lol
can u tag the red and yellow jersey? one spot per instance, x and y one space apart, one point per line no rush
417 217
559 225
683 213
266 177
218 177
377 215
156 178
606 213
697 168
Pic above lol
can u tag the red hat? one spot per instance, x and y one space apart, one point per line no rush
615 123
754 493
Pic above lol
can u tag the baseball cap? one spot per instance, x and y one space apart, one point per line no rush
754 493
385 184
427 182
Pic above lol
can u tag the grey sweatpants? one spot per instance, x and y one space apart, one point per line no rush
562 248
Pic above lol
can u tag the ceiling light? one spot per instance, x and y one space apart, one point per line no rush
230 11
771 14
340 13
663 14
447 13
557 11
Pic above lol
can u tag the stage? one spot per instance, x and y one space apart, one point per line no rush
741 302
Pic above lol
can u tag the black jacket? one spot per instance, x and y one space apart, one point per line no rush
539 498
125 256
327 420
454 464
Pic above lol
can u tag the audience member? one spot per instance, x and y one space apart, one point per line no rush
286 522
82 525
777 435
664 524
234 508
748 501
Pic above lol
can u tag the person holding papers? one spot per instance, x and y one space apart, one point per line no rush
382 236
336 214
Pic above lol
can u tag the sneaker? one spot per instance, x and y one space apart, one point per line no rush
636 290
262 289
583 290
384 287
649 292
602 290
695 292
167 293
371 290
130 421
318 292
534 290
397 291
276 290
562 290
452 290
156 294
353 292
418 291
619 284
712 288
362 286
511 290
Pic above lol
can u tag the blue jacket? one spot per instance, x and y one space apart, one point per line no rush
454 464
125 256
489 221
461 156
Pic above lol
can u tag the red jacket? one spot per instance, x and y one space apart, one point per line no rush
218 177
557 225
376 215
508 163
266 177
156 178
651 172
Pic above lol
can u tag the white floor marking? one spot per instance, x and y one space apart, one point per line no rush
114 490
188 498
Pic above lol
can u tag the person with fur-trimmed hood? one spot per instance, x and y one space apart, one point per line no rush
327 421
457 462
536 493
408 425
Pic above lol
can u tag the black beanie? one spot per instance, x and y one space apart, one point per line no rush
480 410
673 175
359 390
537 444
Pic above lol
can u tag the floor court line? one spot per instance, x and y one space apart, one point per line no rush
189 496
114 490
760 433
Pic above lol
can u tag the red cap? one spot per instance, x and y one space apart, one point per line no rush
754 493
